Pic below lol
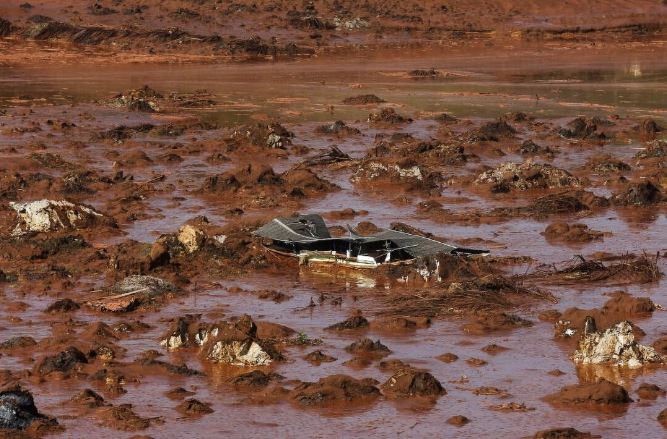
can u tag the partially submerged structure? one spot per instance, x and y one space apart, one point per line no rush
307 238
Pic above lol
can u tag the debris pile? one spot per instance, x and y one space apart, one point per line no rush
525 176
615 346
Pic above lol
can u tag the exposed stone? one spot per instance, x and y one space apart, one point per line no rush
50 215
615 346
527 175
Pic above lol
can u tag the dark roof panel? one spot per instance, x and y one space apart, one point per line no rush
311 228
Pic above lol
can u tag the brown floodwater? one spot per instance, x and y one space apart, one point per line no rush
300 95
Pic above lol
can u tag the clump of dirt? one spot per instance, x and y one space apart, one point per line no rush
400 324
431 73
571 233
61 306
353 323
272 136
458 420
644 193
607 164
494 322
619 307
387 116
262 187
365 347
65 362
525 176
254 380
239 343
122 417
650 391
406 172
142 99
585 129
318 357
563 433
528 147
338 128
590 395
447 357
194 407
409 382
492 132
662 418
334 390
648 129
363 100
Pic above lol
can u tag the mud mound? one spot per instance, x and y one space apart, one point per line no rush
525 176
64 362
585 129
363 100
404 172
318 357
639 194
607 164
236 343
387 116
365 347
495 322
621 306
335 389
5 27
141 99
338 128
590 395
407 383
492 132
563 433
260 185
194 407
648 129
354 322
571 233
650 391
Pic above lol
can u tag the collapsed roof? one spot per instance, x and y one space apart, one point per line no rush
311 229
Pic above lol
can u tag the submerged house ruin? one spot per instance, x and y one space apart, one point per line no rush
307 238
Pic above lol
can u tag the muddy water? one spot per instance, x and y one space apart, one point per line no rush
301 95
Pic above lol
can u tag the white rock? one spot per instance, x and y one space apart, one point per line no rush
615 346
239 353
50 215
191 237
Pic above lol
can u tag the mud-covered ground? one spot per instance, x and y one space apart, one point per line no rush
135 301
